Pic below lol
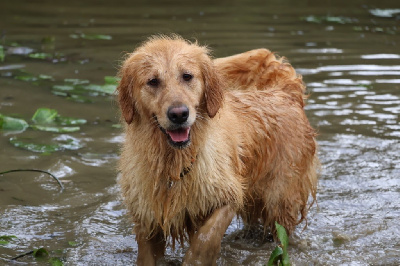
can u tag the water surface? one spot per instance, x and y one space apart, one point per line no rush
347 51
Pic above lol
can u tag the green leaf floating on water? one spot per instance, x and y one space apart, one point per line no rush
34 147
40 253
4 240
29 77
80 90
55 262
56 129
111 80
7 237
91 36
45 56
44 116
331 19
63 144
12 124
76 81
26 77
106 88
46 119
69 121
2 54
73 243
40 56
385 13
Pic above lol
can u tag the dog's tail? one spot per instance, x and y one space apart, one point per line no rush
262 70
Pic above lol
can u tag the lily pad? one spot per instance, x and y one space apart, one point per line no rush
40 56
44 116
63 87
56 129
73 97
19 50
385 13
2 54
12 124
40 253
69 121
117 126
55 262
4 240
106 88
34 147
47 56
111 80
45 77
91 36
63 143
81 90
73 243
77 81
330 19
26 77
46 119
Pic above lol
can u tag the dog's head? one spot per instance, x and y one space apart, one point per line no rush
171 81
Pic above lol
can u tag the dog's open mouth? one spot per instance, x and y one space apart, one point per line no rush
179 137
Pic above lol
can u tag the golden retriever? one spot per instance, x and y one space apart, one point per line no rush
206 140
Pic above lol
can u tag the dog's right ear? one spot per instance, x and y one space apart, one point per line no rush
125 93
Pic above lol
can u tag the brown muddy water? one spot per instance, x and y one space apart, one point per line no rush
52 55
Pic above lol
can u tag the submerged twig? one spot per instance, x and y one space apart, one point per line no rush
23 255
35 170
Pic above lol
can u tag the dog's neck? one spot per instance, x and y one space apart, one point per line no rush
177 163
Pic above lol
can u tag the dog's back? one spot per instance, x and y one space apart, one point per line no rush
260 69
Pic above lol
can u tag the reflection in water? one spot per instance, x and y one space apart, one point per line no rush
349 62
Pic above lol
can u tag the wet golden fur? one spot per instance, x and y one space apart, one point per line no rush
252 147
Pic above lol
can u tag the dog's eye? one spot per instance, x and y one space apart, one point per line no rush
153 82
187 77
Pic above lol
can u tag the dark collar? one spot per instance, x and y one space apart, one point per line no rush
186 170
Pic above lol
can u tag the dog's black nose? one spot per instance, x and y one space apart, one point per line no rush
178 114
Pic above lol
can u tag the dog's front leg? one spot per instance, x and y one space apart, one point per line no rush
149 249
205 244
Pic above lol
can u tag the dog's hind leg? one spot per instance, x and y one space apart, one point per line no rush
150 249
205 244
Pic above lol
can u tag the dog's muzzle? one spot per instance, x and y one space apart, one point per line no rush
178 132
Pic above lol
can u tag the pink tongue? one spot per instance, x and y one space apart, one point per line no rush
179 135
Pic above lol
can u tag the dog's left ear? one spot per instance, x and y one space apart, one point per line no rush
214 94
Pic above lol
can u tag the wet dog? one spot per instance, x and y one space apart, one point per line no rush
208 139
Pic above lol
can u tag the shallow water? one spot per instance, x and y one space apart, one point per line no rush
347 52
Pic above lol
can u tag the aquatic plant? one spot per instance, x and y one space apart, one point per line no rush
279 255
44 119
